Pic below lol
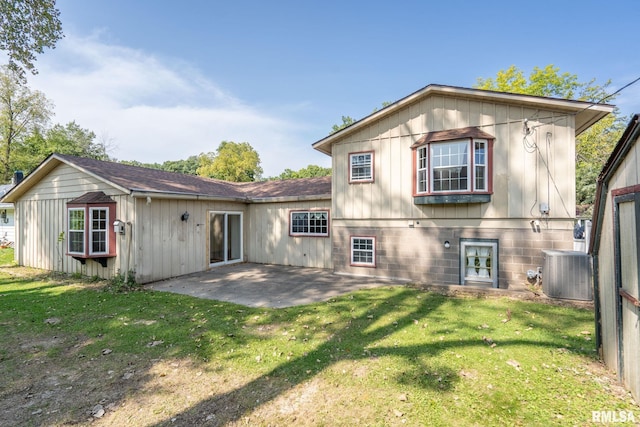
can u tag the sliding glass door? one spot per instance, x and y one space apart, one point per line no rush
225 237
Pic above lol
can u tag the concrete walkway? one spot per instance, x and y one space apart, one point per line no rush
261 285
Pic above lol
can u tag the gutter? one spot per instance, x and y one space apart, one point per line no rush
139 193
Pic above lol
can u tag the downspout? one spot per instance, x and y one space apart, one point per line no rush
128 257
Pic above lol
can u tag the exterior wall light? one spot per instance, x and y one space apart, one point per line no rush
447 245
184 216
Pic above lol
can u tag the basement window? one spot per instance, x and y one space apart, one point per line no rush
479 262
363 251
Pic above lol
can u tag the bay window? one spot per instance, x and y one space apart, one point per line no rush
453 166
89 227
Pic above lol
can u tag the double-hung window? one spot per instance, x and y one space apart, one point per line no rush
90 232
309 223
99 231
76 230
363 251
361 167
453 167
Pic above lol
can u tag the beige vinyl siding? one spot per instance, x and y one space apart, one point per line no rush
41 215
627 174
67 182
169 247
268 240
517 194
39 227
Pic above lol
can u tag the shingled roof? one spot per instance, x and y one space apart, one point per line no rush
136 179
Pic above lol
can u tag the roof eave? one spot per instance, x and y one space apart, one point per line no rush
143 193
289 199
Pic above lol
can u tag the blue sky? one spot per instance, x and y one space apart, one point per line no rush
163 80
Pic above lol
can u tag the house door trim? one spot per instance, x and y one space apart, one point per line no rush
230 232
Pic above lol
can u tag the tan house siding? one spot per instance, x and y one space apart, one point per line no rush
269 242
169 247
514 169
540 169
43 218
627 174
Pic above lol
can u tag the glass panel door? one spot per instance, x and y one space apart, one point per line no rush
225 237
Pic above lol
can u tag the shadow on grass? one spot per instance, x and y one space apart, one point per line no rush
363 339
129 323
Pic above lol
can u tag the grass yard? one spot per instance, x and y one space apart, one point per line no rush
80 353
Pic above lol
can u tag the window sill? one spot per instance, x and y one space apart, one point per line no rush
443 199
101 259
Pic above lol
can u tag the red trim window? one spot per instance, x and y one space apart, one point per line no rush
361 167
455 161
461 166
309 223
90 233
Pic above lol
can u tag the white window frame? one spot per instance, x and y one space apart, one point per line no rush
472 269
104 231
360 161
426 165
309 223
371 251
81 232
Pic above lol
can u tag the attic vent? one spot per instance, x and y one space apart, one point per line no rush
567 274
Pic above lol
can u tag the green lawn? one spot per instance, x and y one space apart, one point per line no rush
6 257
386 356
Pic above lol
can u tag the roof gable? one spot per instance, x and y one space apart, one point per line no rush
586 113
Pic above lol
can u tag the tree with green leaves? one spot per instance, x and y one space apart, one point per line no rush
26 28
346 121
595 144
232 161
68 139
23 112
188 166
311 171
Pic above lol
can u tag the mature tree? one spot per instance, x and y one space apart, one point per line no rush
69 139
22 112
232 161
310 171
187 166
346 121
592 146
26 28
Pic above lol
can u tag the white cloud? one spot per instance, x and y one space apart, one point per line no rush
154 110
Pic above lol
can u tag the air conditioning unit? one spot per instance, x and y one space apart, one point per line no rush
567 274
